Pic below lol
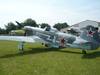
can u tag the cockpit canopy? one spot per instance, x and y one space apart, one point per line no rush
51 29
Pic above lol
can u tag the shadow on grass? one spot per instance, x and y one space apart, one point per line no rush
70 52
30 51
44 50
37 51
91 55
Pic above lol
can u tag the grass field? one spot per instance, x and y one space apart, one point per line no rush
38 60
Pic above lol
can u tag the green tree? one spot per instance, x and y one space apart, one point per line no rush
2 31
59 26
10 26
30 22
43 25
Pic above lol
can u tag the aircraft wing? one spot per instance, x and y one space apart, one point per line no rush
30 39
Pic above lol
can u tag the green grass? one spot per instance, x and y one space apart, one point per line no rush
38 60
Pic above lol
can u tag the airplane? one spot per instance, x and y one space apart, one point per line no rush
89 38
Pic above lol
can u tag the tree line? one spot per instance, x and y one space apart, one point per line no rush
29 22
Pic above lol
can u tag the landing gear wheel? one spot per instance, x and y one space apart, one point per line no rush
83 52
21 47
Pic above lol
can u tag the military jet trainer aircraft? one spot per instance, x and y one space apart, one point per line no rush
50 37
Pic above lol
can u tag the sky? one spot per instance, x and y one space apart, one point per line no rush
49 11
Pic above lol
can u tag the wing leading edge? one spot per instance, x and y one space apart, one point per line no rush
30 39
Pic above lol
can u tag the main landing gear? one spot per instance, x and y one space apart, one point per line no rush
83 52
21 47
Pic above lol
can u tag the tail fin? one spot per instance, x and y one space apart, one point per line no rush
90 34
